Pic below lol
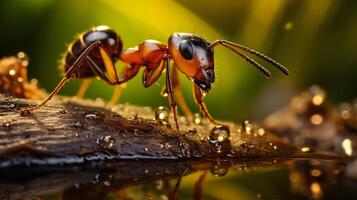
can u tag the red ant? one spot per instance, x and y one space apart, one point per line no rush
94 53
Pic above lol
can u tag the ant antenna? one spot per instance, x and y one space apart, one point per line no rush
229 45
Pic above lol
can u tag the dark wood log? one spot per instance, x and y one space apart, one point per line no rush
73 131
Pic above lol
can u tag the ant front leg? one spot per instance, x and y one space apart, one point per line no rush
169 89
180 99
199 100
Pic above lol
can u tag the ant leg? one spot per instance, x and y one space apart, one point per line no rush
180 99
83 88
116 94
151 76
197 189
198 98
128 72
169 89
72 70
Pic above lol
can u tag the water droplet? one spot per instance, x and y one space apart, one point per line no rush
305 149
12 72
197 118
317 95
347 146
164 93
275 147
162 115
315 172
316 190
247 126
219 133
62 111
146 149
7 124
219 169
204 92
106 142
25 112
91 116
261 132
316 119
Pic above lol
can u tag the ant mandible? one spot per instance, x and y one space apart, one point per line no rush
96 51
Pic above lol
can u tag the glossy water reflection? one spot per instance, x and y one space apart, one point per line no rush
218 179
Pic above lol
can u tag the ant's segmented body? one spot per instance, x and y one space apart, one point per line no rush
96 51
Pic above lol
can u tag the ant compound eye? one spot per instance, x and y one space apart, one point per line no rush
186 49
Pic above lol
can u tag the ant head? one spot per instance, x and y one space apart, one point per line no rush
193 56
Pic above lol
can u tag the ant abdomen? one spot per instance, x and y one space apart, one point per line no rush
111 42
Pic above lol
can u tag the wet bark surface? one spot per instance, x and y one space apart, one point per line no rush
72 131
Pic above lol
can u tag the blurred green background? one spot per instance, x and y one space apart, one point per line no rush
315 39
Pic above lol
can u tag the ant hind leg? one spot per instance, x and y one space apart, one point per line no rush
83 88
70 72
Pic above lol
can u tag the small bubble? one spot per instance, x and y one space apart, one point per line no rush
275 147
219 133
162 115
146 149
12 105
247 126
197 118
106 142
62 111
